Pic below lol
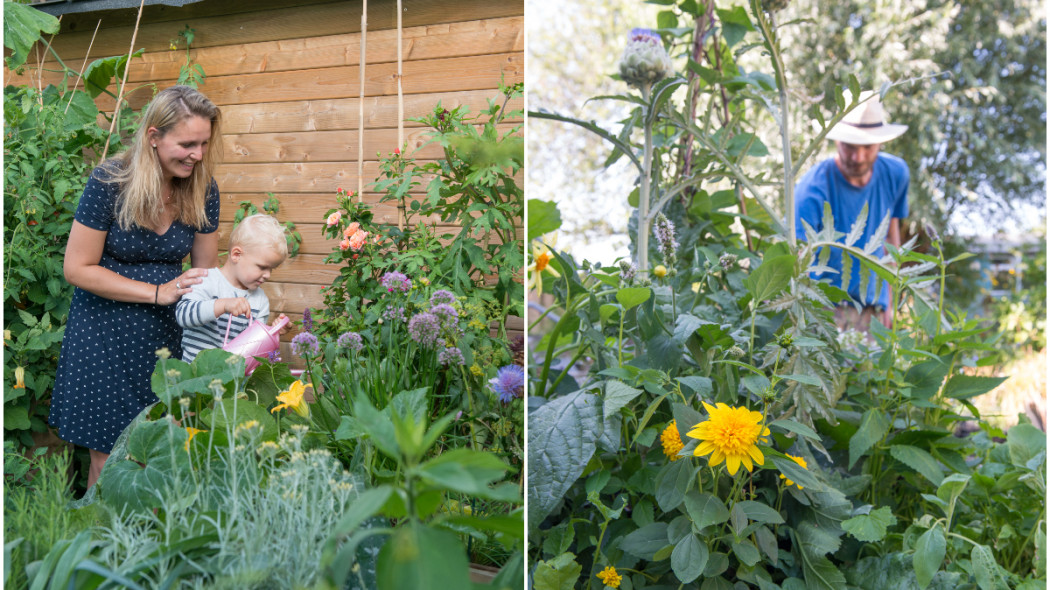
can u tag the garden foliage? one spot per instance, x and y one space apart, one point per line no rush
697 419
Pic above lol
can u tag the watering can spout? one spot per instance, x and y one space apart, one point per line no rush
277 327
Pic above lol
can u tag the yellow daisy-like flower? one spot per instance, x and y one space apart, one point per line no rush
671 441
609 577
801 462
541 258
20 378
192 432
294 398
731 435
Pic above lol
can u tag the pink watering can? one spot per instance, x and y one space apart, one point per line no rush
257 339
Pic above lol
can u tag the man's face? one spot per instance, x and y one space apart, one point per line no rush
856 161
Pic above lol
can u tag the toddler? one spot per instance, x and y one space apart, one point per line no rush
257 247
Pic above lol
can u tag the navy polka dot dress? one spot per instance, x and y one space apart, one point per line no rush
109 349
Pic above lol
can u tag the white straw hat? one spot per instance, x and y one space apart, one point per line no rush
866 124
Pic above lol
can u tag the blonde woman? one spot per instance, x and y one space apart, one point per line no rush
141 213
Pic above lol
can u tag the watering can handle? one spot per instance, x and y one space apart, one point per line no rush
229 323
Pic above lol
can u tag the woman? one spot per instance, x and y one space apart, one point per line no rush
141 213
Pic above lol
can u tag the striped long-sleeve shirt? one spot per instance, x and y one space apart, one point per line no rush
195 312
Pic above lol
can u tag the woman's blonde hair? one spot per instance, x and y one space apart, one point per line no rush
139 171
260 231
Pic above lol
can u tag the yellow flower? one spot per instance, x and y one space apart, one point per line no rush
476 371
660 271
541 258
192 432
609 577
293 398
801 462
20 378
671 441
730 435
7 336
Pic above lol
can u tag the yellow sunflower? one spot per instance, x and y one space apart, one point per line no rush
609 577
731 435
294 398
541 258
671 441
802 463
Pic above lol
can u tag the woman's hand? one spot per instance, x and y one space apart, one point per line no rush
170 292
233 306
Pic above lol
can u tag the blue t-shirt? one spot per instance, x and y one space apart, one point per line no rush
886 191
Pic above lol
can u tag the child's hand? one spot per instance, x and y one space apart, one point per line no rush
277 319
234 306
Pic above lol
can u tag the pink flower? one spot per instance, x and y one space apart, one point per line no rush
397 151
334 218
344 244
358 239
351 229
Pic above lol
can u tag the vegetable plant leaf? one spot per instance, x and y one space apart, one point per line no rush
870 527
689 558
929 555
772 277
919 460
560 573
873 426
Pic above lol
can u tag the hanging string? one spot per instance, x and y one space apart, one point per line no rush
402 217
123 83
361 109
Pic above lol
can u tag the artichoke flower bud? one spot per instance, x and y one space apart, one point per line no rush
644 61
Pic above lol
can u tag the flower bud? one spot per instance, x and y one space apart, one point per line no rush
660 271
644 61
774 5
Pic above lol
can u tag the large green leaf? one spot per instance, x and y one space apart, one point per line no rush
895 572
772 277
155 458
22 28
986 570
646 541
560 573
929 555
967 386
562 437
544 218
705 509
420 557
631 297
469 472
1025 442
814 543
672 484
689 558
870 527
919 460
617 395
873 426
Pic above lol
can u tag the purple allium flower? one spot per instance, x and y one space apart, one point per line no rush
395 281
447 313
450 356
308 320
509 383
394 312
305 344
442 296
274 356
351 340
423 328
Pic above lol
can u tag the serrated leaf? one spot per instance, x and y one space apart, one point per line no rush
560 573
772 277
617 395
919 460
562 437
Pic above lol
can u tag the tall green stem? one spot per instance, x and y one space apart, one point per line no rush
643 192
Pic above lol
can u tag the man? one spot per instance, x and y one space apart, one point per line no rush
858 174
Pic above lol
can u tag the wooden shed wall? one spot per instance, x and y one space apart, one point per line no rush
287 81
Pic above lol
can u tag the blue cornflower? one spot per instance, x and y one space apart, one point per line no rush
509 383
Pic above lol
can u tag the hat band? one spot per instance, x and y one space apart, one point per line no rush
864 125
